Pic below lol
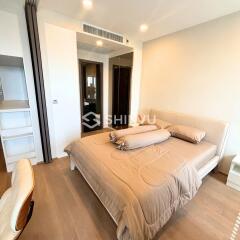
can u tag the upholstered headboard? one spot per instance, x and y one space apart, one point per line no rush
216 131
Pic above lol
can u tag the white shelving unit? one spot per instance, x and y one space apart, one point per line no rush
17 136
233 180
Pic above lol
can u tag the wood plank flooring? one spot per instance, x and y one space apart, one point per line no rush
4 176
66 209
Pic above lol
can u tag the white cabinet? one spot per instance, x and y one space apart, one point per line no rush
17 135
234 174
61 81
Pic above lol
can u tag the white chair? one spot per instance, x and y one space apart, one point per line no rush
16 204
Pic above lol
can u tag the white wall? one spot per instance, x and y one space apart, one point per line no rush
10 41
62 84
103 58
197 71
136 81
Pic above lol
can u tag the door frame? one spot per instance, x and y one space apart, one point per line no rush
80 62
129 90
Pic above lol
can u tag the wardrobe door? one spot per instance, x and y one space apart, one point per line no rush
121 95
115 96
63 87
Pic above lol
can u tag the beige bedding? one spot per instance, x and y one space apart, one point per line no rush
141 140
197 154
117 134
140 188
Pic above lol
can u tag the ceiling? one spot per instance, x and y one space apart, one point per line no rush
162 16
88 42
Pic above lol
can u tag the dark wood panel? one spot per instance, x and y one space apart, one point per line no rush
32 26
121 95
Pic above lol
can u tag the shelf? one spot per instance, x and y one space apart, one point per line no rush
236 160
236 169
11 166
15 120
11 61
28 155
18 145
16 132
16 129
14 106
13 137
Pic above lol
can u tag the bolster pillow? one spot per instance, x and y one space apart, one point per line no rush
142 139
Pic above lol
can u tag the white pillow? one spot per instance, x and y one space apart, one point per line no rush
187 133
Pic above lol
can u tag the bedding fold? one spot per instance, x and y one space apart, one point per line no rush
140 188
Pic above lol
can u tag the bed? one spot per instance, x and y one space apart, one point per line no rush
142 188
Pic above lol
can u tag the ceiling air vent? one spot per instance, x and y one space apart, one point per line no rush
102 33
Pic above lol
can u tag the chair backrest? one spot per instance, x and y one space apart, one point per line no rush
16 201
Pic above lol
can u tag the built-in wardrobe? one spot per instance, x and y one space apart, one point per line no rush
119 91
19 122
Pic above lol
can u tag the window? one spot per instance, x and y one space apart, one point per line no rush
91 87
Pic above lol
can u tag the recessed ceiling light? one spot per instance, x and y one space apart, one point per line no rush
143 27
87 4
99 43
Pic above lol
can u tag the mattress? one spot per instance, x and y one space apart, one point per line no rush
197 154
141 188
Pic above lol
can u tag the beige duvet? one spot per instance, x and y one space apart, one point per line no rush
140 188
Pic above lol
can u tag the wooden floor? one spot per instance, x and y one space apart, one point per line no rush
66 209
4 177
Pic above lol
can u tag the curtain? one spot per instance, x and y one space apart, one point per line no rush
32 27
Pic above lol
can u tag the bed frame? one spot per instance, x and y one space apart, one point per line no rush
74 166
216 133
